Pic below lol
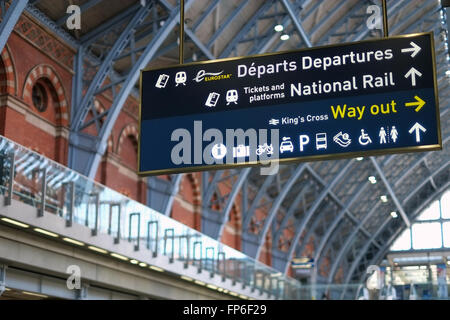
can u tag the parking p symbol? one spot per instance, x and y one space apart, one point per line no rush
304 140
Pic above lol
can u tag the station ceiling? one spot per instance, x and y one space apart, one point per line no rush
349 227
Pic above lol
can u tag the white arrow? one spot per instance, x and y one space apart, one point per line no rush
417 127
415 49
413 72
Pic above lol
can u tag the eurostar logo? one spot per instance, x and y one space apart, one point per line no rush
210 76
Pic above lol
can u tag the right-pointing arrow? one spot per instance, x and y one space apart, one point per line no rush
413 72
417 127
419 103
415 49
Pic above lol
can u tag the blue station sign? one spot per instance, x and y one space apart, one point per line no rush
368 98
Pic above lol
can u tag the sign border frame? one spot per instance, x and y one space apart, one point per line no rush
339 156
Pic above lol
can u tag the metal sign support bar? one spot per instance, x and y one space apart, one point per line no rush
181 31
385 19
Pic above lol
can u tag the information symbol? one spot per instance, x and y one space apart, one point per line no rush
219 151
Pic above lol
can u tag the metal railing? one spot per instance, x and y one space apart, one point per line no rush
51 188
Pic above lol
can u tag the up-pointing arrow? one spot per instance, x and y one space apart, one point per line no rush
413 72
417 128
415 49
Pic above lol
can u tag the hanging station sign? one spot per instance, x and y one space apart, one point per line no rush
368 98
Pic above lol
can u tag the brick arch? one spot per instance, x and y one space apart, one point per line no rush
8 79
195 185
46 71
129 130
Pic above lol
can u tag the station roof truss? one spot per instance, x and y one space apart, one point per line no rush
328 210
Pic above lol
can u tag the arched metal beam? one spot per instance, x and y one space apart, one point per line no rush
317 219
336 221
234 192
388 243
276 205
350 239
337 260
391 192
261 192
290 212
416 212
214 222
381 228
85 151
313 208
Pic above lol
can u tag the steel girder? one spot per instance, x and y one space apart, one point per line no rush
276 205
404 201
290 212
326 192
9 19
408 170
288 6
391 191
400 178
339 217
253 243
83 7
382 251
269 38
161 193
415 207
86 150
213 220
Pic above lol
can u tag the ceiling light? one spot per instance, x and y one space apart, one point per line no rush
134 261
394 214
359 159
220 289
187 278
225 291
384 198
119 256
156 269
243 297
372 179
201 283
284 37
447 73
142 264
97 249
35 294
16 223
278 28
233 294
47 233
78 243
212 286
